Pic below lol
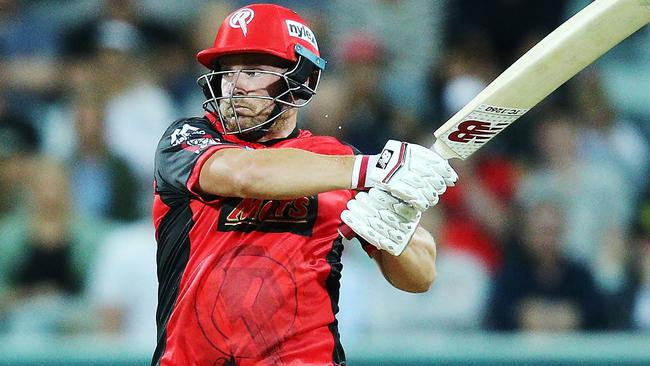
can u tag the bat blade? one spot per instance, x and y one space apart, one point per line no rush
550 63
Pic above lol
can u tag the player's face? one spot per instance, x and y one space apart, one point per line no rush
251 75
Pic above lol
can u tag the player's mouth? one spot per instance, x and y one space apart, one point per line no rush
241 108
237 109
242 111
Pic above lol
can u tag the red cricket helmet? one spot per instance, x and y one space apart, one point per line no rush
262 28
266 29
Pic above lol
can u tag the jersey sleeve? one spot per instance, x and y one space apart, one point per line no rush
184 148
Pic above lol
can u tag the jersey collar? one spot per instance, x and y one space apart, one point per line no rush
232 138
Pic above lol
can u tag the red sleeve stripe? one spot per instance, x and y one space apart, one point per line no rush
400 163
359 171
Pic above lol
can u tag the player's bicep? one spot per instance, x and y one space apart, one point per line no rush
219 174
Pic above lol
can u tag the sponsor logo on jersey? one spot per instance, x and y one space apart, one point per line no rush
198 145
193 139
180 135
301 31
384 158
475 130
296 216
241 19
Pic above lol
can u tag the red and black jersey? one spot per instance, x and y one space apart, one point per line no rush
244 281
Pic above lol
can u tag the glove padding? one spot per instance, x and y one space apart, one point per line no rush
382 220
412 173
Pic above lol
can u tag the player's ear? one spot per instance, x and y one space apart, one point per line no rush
308 88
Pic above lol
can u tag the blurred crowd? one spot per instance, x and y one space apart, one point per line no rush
547 230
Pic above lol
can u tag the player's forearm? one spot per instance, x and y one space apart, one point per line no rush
415 269
274 173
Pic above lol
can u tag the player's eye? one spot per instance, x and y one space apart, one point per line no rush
229 76
252 73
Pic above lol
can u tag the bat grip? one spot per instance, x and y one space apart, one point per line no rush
443 150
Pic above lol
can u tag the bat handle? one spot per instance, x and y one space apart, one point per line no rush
443 150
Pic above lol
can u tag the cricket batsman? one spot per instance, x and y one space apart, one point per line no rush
248 207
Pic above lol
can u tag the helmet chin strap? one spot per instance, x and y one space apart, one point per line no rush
263 129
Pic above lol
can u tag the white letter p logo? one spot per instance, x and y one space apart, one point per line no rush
241 18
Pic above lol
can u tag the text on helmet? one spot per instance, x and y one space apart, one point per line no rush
301 31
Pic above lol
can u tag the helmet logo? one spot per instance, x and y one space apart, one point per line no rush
301 31
241 18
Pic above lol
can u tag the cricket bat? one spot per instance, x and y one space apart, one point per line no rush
550 63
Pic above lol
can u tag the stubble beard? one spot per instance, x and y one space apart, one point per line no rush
257 112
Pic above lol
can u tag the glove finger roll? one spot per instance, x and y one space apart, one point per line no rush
397 206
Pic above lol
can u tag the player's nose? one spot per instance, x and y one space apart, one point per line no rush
237 83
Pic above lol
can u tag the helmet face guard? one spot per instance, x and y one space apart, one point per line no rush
297 87
261 29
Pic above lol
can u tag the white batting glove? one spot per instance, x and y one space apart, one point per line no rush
382 220
412 173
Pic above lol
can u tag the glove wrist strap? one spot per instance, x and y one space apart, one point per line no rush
360 170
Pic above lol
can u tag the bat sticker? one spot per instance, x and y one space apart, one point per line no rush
479 126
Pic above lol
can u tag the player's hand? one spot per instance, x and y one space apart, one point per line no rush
412 173
382 220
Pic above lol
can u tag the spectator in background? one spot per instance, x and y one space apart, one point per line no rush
596 202
368 110
87 39
19 143
45 254
103 182
641 297
539 288
456 302
607 137
458 299
370 115
410 33
29 46
122 285
121 27
625 74
508 24
466 68
477 214
136 107
21 37
177 73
